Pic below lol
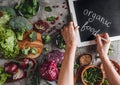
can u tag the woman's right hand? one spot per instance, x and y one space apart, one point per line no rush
103 46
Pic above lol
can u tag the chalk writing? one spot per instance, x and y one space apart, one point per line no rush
93 16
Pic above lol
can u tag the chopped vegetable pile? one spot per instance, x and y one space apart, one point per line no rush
93 76
28 8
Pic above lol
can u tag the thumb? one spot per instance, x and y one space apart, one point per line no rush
76 28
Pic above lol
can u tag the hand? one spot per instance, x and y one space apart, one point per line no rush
69 34
103 46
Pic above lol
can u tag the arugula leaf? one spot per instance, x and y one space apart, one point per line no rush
48 9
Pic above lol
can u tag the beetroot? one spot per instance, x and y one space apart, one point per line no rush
56 56
49 71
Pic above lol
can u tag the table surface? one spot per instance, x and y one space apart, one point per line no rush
62 11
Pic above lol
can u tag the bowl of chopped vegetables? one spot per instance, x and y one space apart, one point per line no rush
92 75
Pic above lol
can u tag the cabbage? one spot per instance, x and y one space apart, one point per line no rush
56 56
8 43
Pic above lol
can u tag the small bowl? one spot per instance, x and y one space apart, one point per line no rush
85 59
88 67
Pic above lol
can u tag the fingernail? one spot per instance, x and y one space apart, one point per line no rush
78 26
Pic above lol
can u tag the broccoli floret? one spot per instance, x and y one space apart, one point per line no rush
25 51
19 35
33 36
34 50
9 10
20 25
46 39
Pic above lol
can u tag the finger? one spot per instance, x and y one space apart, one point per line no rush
70 26
106 36
98 39
76 28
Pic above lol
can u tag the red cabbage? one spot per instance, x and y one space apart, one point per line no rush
49 71
56 56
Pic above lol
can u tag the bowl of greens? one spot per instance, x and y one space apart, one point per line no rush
27 8
92 75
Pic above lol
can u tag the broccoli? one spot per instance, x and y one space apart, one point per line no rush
46 39
34 50
33 36
20 25
25 51
8 10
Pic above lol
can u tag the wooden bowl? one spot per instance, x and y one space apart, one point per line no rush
26 43
85 59
88 67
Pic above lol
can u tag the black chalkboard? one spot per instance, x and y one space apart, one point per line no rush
97 16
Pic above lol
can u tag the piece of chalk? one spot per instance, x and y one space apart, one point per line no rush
101 38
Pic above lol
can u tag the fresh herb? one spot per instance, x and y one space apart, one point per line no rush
76 66
60 41
46 49
92 76
111 50
48 9
46 39
105 82
33 36
51 18
3 76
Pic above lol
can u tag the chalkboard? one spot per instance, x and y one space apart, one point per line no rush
96 17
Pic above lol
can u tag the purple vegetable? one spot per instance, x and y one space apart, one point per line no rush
49 71
56 56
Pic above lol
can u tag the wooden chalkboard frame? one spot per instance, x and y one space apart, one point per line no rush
74 18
